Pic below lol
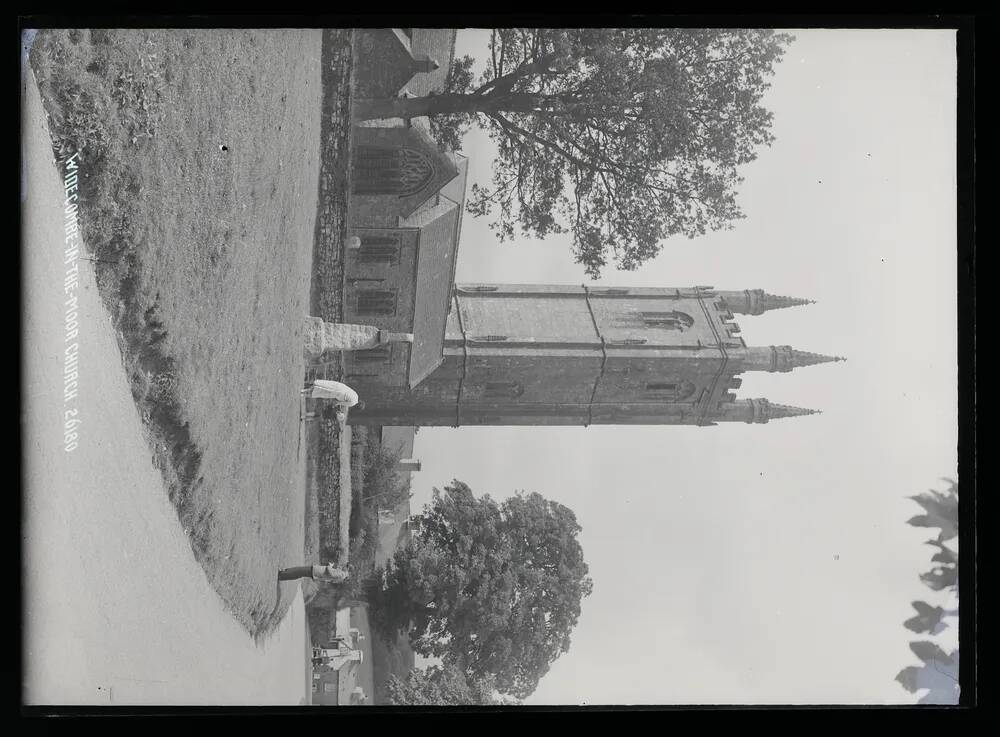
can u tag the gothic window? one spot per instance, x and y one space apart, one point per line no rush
670 391
373 355
488 338
669 320
377 302
502 390
379 249
389 170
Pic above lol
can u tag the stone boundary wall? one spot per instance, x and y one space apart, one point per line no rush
338 71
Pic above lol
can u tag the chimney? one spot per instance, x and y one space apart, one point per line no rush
408 465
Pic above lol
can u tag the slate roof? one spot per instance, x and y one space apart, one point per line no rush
439 44
437 256
384 65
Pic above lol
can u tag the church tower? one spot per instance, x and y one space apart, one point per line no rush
565 355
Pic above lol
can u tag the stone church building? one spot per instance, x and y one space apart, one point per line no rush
513 354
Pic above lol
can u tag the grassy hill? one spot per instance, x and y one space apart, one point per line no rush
199 185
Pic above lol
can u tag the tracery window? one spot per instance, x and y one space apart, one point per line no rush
390 170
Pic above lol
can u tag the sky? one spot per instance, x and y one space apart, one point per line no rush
766 564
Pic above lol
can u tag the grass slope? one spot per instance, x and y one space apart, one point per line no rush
205 265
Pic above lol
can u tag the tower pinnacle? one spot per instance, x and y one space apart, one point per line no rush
757 301
758 411
782 358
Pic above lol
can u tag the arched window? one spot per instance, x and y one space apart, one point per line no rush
389 170
376 302
670 320
379 249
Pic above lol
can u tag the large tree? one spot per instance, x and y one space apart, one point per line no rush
443 686
624 136
492 588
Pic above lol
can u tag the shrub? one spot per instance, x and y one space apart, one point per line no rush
384 487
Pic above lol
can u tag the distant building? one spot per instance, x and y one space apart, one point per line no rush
325 688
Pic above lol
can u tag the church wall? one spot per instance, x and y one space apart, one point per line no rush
542 378
441 387
634 379
397 277
563 318
621 318
366 209
569 314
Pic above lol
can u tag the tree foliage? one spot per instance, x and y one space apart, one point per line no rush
492 588
443 686
383 483
940 511
622 136
928 618
939 670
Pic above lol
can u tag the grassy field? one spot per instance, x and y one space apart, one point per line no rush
200 158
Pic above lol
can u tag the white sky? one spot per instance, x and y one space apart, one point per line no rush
767 563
